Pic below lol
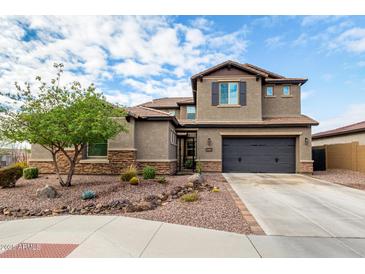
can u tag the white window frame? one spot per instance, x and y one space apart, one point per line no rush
173 138
289 89
229 94
266 94
187 112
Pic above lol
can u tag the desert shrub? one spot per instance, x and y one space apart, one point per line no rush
9 175
198 167
30 173
134 181
149 172
22 165
190 197
188 164
216 189
161 180
88 194
128 173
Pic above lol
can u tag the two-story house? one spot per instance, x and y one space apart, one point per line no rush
240 118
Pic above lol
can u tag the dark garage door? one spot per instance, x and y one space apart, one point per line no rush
272 155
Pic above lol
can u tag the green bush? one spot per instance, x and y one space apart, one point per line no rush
88 194
188 163
9 175
190 197
198 167
128 173
149 172
30 173
161 180
134 181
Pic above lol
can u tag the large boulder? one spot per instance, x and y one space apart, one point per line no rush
47 192
196 180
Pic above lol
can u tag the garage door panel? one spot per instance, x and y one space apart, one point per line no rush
274 155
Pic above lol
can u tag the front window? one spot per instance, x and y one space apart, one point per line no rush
228 93
190 112
269 91
98 149
286 90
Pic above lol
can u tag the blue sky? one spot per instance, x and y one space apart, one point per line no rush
135 59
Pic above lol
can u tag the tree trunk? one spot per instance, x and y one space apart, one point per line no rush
62 183
70 173
72 161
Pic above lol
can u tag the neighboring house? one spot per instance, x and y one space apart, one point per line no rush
12 155
240 118
342 148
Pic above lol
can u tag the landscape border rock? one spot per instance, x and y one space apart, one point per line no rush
149 202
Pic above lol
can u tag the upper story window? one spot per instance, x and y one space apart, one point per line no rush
269 91
190 112
228 93
98 149
286 91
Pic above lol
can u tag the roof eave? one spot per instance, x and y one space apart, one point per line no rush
334 134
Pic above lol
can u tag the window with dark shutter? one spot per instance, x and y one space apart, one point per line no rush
243 93
215 94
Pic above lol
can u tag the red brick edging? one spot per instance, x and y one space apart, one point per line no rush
255 228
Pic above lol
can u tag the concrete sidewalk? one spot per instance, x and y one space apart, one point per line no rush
116 236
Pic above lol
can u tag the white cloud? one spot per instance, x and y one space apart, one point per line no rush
353 114
312 20
202 23
274 42
123 49
352 40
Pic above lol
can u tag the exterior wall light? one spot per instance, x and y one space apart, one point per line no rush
209 142
306 141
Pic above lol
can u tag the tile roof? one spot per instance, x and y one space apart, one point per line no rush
144 112
353 128
168 102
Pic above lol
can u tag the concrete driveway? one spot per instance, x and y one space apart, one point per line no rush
297 205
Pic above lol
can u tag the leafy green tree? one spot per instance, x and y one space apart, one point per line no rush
59 118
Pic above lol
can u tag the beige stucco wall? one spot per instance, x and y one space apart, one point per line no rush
39 153
280 105
182 112
303 152
250 112
355 137
124 140
152 140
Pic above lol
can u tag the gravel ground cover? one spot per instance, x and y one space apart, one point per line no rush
344 177
215 210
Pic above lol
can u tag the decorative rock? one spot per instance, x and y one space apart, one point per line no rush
99 206
47 192
189 184
196 179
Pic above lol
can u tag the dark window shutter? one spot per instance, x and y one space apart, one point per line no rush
215 94
243 93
